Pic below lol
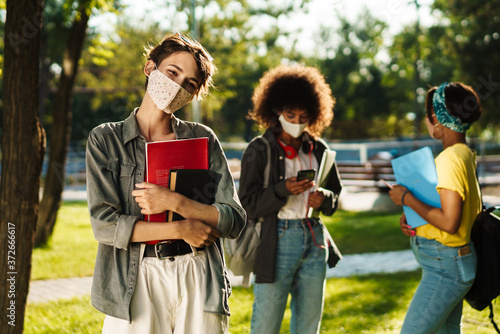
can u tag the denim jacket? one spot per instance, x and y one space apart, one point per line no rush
115 161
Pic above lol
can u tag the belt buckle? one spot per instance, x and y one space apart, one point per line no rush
158 251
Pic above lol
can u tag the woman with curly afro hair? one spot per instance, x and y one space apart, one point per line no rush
294 104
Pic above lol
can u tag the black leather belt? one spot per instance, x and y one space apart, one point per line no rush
168 249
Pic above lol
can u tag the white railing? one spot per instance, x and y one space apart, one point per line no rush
363 148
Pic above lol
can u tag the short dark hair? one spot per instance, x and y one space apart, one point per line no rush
289 87
461 101
171 44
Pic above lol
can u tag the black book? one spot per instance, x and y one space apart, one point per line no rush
197 184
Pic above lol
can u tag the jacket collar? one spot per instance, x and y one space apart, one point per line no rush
181 128
130 127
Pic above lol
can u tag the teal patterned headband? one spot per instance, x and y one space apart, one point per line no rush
442 114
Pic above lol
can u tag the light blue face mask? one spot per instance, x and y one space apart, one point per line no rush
442 114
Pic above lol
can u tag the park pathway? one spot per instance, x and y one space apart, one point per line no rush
42 291
357 264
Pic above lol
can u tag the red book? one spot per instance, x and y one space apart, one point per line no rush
163 156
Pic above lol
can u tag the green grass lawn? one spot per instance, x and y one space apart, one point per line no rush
363 304
363 232
371 304
72 249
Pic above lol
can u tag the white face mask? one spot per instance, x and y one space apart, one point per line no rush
166 93
294 130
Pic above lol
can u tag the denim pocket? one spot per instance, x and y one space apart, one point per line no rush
281 231
427 256
466 267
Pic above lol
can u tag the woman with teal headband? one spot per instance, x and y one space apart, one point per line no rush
443 247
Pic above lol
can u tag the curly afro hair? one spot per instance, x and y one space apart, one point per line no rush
291 87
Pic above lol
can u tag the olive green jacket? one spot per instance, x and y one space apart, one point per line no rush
115 161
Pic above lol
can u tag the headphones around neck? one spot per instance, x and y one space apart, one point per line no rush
291 152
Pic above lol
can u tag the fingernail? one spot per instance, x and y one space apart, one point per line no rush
413 233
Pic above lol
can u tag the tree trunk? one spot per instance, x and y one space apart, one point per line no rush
23 145
61 129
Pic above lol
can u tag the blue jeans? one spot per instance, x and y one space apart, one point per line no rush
436 306
301 271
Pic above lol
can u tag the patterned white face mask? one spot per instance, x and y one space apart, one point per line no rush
166 93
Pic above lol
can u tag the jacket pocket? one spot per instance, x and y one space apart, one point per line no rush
122 169
123 172
114 166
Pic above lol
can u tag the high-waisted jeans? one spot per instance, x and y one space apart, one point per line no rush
301 271
436 306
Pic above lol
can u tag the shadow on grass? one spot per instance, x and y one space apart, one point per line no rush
370 304
361 304
374 302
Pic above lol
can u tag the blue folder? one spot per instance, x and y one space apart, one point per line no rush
417 172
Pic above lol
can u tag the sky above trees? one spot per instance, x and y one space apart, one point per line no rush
304 23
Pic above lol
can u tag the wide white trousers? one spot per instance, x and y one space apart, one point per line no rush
169 298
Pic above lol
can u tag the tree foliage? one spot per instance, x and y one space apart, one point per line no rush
472 39
79 12
112 66
354 73
380 88
111 81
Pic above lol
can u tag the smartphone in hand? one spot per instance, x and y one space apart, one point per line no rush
386 183
304 174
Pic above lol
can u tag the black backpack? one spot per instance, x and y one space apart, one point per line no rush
486 238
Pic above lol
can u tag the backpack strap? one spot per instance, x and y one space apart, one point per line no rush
267 169
246 244
267 176
492 320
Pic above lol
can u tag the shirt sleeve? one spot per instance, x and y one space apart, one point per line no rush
110 224
450 173
231 214
257 200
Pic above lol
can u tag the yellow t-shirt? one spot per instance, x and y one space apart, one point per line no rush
456 170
